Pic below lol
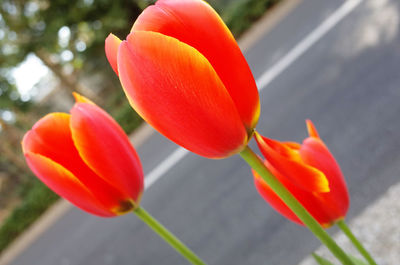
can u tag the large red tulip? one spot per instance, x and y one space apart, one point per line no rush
309 171
86 158
184 73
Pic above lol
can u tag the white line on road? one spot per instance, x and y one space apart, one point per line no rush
266 78
165 165
306 43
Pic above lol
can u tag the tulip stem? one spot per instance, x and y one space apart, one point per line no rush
255 162
170 238
346 230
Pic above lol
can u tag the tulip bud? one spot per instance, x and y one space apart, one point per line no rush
184 73
86 158
310 172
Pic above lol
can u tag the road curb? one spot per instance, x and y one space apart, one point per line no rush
56 211
266 23
34 231
376 227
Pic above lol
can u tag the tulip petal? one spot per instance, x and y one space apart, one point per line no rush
106 149
81 99
111 47
315 153
317 204
270 196
175 89
65 184
51 137
285 149
312 131
306 177
292 145
44 138
198 25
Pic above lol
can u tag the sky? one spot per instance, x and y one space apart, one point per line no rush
27 74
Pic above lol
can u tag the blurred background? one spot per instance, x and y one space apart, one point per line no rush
50 48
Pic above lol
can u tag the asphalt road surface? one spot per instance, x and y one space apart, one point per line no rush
345 78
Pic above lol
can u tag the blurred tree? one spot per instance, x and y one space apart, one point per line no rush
10 134
67 35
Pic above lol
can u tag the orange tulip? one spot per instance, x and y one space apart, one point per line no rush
310 173
184 73
86 158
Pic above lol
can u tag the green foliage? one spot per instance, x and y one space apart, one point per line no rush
38 25
357 261
63 34
241 14
37 198
9 97
320 260
127 118
123 113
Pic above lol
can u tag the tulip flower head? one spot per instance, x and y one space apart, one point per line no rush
86 158
184 73
309 171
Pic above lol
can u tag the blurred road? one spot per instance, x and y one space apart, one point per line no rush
347 81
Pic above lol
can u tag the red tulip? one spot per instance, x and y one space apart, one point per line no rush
86 158
309 171
184 73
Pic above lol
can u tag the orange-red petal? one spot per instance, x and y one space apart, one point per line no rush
65 184
44 138
325 207
270 196
318 204
312 131
288 150
292 145
315 153
81 99
111 47
299 173
106 149
198 25
174 88
51 137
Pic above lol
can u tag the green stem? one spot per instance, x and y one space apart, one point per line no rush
168 236
346 230
255 162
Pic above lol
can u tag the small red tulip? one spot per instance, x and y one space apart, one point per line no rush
309 171
184 73
86 158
